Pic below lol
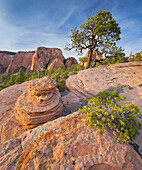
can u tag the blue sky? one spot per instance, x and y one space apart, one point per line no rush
28 24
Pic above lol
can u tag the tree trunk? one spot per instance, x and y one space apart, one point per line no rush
89 59
99 61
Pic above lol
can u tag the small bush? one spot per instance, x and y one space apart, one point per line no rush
60 86
103 113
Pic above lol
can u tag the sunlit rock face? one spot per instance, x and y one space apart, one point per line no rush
41 103
20 59
43 57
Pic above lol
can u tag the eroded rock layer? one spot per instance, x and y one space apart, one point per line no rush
41 103
125 78
68 143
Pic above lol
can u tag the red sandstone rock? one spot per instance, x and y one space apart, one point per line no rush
125 78
68 143
21 59
42 103
55 64
70 61
70 99
9 126
5 59
44 56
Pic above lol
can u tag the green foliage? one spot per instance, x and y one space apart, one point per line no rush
60 86
11 81
99 32
137 57
20 77
114 60
58 76
103 113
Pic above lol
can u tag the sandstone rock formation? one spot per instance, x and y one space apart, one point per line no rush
5 59
125 78
54 64
9 126
44 56
41 103
122 77
70 61
67 143
21 59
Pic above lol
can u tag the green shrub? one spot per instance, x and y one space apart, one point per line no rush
103 113
60 86
137 57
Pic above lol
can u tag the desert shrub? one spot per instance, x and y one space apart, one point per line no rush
60 86
103 113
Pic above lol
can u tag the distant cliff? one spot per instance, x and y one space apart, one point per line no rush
42 58
5 59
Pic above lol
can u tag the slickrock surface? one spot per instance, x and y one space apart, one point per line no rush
9 126
125 78
41 103
67 143
21 59
70 99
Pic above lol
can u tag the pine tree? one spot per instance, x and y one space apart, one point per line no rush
20 77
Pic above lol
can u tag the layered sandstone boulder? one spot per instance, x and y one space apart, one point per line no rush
20 59
41 103
68 143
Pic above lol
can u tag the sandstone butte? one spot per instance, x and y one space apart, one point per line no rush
42 58
68 142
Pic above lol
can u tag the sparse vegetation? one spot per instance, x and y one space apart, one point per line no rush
103 113
58 76
137 57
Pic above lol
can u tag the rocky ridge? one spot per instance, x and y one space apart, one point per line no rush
42 58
